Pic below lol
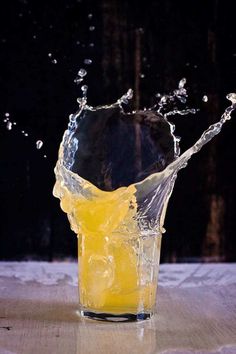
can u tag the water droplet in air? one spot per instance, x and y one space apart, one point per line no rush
88 61
45 156
91 28
91 45
78 42
82 72
54 61
205 98
142 76
84 89
14 123
90 16
7 114
78 80
23 132
232 97
39 144
9 125
50 55
34 36
182 82
26 134
129 94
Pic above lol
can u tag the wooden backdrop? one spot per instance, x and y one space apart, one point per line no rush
148 46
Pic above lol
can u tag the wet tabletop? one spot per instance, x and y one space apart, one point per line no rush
196 313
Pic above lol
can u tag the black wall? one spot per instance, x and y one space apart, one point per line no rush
163 40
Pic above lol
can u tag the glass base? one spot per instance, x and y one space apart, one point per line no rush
125 317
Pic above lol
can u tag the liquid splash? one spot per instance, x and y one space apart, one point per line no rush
119 229
152 192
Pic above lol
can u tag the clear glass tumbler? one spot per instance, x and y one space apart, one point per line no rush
116 207
122 285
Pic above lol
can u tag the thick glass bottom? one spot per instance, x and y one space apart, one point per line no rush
124 317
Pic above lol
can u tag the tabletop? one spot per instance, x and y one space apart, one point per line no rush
195 313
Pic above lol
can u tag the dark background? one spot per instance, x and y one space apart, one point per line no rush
148 46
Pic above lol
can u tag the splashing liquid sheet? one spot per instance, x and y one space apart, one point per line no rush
118 210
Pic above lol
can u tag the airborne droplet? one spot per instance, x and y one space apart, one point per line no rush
82 72
78 80
182 83
39 144
9 125
84 89
205 98
88 61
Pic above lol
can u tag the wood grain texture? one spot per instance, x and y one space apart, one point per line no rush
196 313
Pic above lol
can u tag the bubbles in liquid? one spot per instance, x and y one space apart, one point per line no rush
91 28
88 61
82 72
9 125
39 144
205 98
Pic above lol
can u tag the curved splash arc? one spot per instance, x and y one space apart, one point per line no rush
151 194
160 185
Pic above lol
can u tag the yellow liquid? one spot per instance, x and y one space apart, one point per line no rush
111 271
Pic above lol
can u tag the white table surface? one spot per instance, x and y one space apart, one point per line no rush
196 313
